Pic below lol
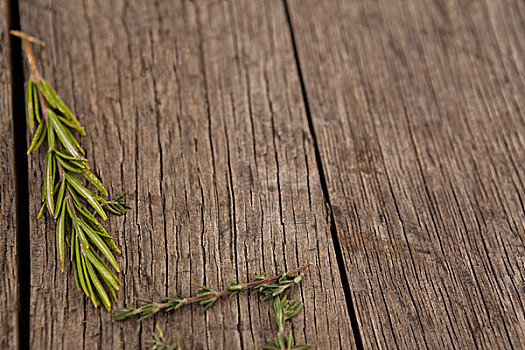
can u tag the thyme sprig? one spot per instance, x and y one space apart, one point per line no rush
279 287
285 310
206 297
159 342
64 194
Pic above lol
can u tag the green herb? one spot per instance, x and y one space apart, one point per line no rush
206 297
279 287
159 342
75 208
285 310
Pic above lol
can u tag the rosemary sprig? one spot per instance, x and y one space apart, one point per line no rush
64 195
206 297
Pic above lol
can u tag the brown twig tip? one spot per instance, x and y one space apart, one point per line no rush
27 37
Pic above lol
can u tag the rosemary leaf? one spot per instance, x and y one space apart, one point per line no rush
30 106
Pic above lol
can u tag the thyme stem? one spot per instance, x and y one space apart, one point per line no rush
270 286
244 286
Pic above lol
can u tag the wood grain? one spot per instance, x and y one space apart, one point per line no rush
195 108
418 108
9 294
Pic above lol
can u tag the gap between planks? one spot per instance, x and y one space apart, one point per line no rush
23 263
326 194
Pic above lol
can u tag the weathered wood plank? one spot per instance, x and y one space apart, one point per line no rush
196 109
418 109
9 294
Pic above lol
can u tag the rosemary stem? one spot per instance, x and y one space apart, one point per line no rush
43 103
26 40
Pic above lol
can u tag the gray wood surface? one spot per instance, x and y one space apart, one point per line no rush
8 253
196 110
382 140
417 107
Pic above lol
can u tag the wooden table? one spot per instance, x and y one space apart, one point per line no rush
381 140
